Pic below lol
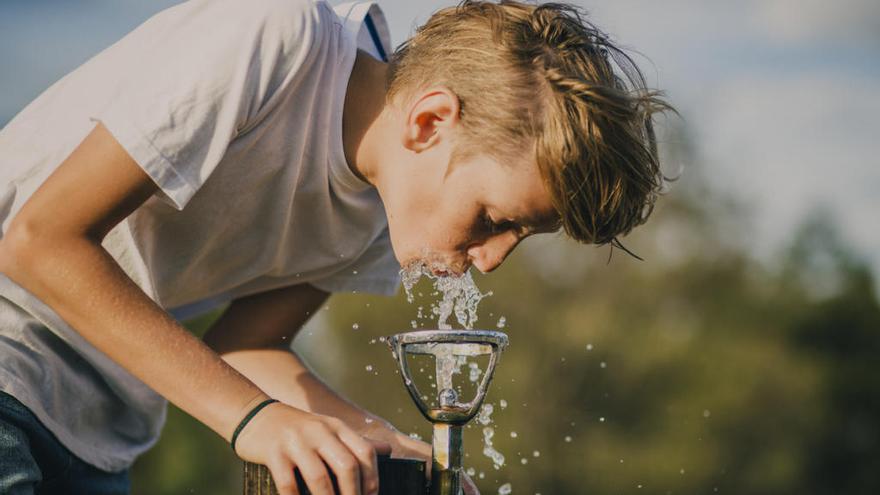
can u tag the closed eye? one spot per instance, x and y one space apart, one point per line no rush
494 227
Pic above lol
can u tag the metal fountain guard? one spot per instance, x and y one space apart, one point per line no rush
450 415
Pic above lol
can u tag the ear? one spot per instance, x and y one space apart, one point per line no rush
432 118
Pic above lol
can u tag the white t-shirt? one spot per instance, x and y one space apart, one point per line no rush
234 109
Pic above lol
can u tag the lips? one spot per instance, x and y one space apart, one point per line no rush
433 265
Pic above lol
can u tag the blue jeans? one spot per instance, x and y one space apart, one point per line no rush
32 461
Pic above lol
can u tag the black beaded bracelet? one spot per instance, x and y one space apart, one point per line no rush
247 419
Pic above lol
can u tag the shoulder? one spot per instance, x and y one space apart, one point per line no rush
289 16
296 21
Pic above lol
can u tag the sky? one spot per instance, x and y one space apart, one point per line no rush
781 96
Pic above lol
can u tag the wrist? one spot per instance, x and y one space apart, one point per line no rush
236 419
248 417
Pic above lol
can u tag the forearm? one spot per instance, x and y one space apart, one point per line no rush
284 376
79 280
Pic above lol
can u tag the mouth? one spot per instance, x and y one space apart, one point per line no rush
435 267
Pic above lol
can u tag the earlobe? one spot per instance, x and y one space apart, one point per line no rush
432 116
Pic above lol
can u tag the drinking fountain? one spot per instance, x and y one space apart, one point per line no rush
449 415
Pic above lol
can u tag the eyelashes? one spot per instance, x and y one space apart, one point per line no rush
493 227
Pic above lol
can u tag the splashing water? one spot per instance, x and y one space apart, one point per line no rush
460 296
489 451
484 417
505 489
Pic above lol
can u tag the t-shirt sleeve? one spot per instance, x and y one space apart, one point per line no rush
376 271
194 76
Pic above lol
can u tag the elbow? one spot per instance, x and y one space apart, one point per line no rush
19 248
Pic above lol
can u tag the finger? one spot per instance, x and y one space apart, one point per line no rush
365 451
314 473
419 448
380 446
345 465
282 476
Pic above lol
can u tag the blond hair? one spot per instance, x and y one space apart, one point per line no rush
540 79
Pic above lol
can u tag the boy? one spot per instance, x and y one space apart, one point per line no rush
265 153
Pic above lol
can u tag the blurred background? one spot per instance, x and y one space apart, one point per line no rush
741 356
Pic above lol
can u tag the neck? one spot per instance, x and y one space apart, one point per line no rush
362 115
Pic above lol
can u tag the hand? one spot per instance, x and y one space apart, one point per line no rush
403 445
283 438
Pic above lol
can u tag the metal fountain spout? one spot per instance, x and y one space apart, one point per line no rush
450 414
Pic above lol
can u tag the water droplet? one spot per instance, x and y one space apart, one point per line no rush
603 364
354 272
513 434
706 413
523 461
355 326
589 347
471 471
568 439
602 419
502 322
368 420
505 489
369 367
536 453
681 471
502 403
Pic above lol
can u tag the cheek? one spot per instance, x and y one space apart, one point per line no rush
455 225
412 218
440 219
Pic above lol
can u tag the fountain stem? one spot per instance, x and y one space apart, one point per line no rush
446 466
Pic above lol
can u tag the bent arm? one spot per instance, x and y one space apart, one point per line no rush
53 249
254 335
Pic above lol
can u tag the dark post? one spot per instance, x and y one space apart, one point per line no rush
396 477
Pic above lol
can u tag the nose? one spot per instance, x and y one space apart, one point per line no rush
488 255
